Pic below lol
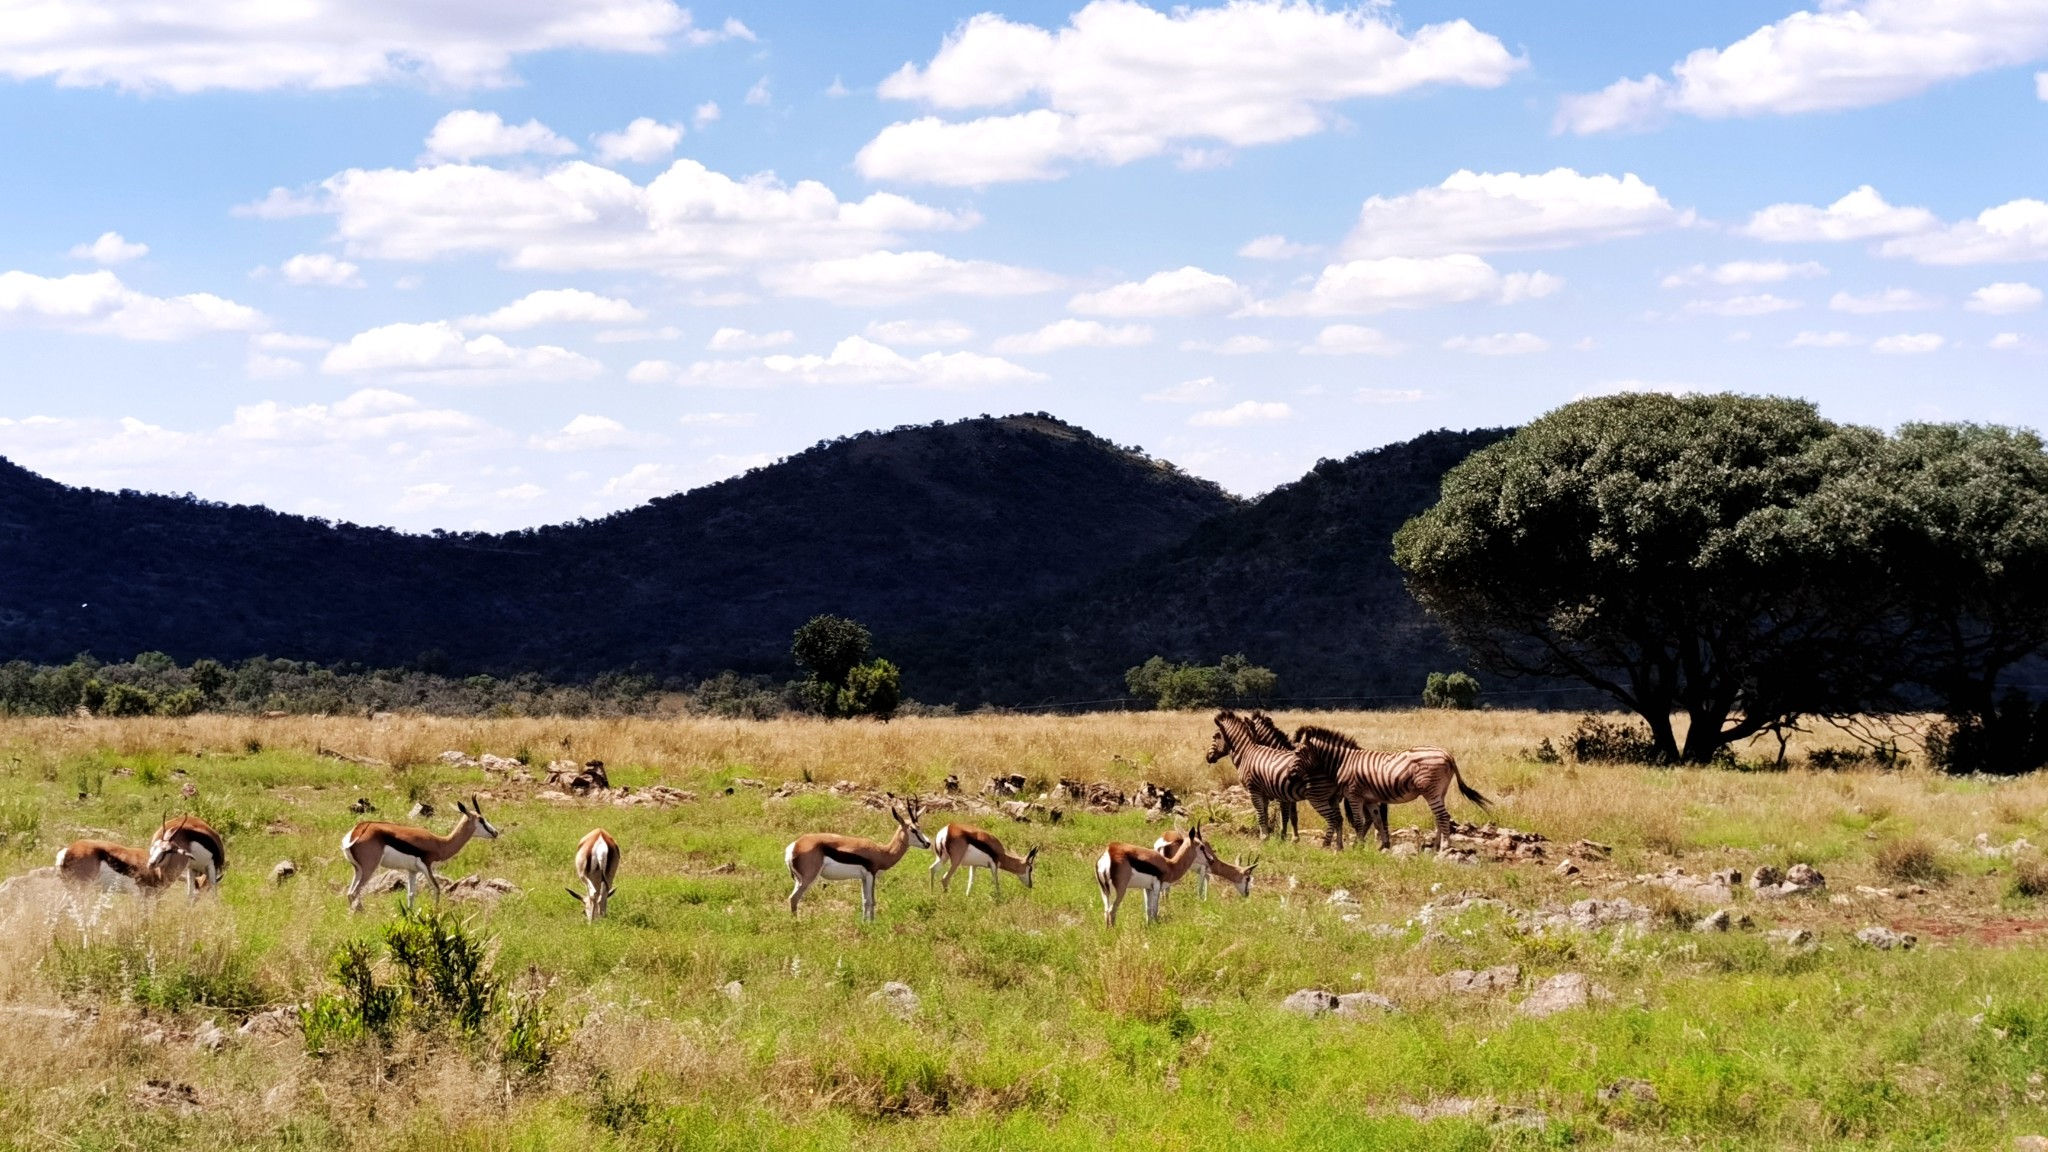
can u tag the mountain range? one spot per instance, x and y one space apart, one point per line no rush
1008 560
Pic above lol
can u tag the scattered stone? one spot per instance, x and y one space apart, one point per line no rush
1878 893
1310 1002
1464 902
1593 914
283 871
1592 848
1986 848
1363 1004
167 1095
475 887
1407 850
1703 891
384 883
1569 868
735 991
1766 877
422 812
209 1038
952 783
662 796
362 806
1343 896
1805 876
1791 937
188 790
1719 921
1628 1088
741 781
1560 993
2030 1144
1885 939
456 759
553 796
1010 785
1458 856
898 998
272 1022
1502 978
490 763
1017 810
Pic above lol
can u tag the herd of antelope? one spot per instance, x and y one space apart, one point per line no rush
1338 778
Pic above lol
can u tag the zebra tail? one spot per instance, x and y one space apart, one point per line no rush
1466 789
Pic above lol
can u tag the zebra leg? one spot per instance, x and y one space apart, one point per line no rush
1262 800
1383 822
1443 821
1333 816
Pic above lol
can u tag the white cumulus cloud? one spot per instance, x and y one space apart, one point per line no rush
854 360
1510 211
1243 414
643 141
1202 390
1275 248
2010 342
1366 286
1861 215
741 340
1352 340
97 302
1498 344
556 306
471 135
1889 300
1849 54
1122 82
919 333
2014 231
1824 340
320 269
1242 344
2004 298
587 433
437 352
323 44
1760 304
1740 273
1908 344
111 248
892 277
1061 335
1185 291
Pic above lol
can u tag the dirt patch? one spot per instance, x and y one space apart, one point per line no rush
1997 930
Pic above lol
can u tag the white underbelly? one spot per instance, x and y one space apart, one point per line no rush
975 858
834 870
1143 881
402 861
109 878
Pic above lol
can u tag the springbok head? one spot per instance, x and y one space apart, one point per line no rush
906 818
593 902
1030 867
475 812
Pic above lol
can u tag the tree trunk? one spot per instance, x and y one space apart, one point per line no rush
1662 735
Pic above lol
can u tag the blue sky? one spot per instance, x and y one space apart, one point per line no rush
433 265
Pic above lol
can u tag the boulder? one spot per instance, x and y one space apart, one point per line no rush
1560 993
1719 921
283 871
1886 939
209 1038
1791 937
1805 876
1343 896
1766 877
1726 878
271 1022
898 998
1311 1002
1363 1004
1465 981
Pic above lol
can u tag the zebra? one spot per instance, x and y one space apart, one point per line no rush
1371 781
1276 774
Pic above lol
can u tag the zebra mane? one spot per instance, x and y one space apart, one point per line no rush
1312 734
1267 732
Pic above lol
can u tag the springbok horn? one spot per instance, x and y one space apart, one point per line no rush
573 895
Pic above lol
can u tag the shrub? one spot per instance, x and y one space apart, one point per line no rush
1885 755
738 697
364 1006
1910 860
1601 741
2029 879
532 1037
445 971
1233 679
1457 690
872 689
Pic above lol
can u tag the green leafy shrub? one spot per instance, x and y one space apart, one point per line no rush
1231 680
445 971
532 1037
1598 740
872 689
1456 690
363 1006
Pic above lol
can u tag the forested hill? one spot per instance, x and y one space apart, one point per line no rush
1302 581
907 529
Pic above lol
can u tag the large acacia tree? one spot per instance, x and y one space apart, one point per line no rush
1696 555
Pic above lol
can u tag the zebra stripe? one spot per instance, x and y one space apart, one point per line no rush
1277 775
1370 780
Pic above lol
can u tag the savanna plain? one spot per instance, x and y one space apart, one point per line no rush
701 1014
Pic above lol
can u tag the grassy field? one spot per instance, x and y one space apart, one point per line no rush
700 1015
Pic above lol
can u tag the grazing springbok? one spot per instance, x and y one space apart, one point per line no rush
828 856
1277 774
374 844
1373 780
965 846
1238 876
190 845
1126 866
597 862
110 866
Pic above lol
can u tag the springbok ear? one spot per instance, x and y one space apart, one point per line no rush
573 895
460 808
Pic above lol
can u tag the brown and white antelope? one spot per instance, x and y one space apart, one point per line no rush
1373 780
110 865
1126 866
819 856
965 846
597 862
374 844
190 845
1238 876
1276 773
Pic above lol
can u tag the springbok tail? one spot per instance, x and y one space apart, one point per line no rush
63 856
789 860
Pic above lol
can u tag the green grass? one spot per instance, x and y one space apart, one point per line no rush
1038 1027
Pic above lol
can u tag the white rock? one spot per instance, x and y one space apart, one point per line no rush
1560 993
898 998
284 871
736 992
1885 939
1501 978
1718 921
1342 896
209 1037
1363 1004
1310 1002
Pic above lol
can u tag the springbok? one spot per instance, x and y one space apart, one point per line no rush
374 844
1238 876
1276 773
819 856
965 846
194 842
597 862
110 865
1126 866
1374 780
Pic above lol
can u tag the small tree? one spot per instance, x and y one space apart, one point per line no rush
1455 690
842 682
1173 686
872 689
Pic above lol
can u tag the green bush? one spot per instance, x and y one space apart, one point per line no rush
872 689
1231 680
445 971
1456 690
363 1006
1600 741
